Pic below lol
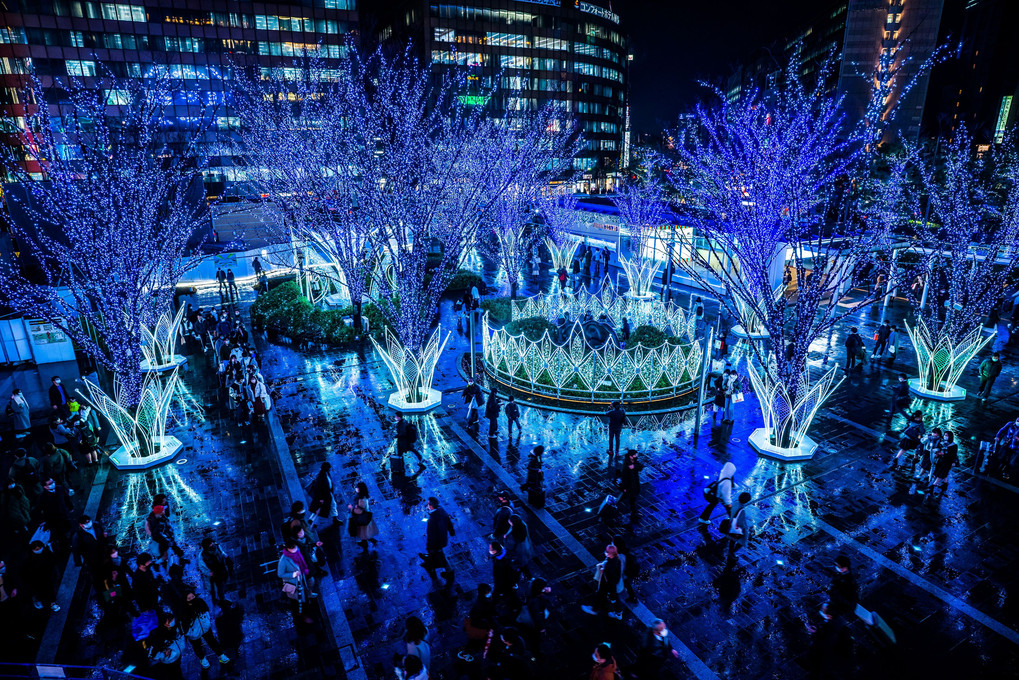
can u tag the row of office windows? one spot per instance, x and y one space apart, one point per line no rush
169 43
515 18
522 41
519 61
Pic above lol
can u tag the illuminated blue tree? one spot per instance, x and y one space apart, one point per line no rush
965 212
780 177
642 211
112 197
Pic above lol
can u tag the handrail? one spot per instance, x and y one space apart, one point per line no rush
55 670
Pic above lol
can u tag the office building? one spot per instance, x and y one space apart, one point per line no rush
563 50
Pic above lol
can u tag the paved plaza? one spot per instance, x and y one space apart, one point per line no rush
940 571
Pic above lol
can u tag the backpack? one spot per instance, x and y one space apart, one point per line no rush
412 432
711 491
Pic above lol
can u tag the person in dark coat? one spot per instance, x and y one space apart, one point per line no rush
990 369
323 504
655 651
473 399
945 458
513 418
616 419
843 591
881 344
610 585
900 396
15 512
504 573
492 408
853 344
144 586
39 573
535 483
89 545
500 522
58 397
55 506
629 482
438 529
27 472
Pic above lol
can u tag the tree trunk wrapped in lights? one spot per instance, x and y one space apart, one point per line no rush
642 211
121 198
971 227
773 178
139 427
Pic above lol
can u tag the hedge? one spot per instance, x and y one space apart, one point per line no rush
286 311
499 309
532 327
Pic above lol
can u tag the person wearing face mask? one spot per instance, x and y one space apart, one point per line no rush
295 573
114 587
605 667
88 544
58 397
56 508
609 575
197 621
15 512
656 650
438 529
27 472
215 567
18 410
309 545
57 463
167 646
480 622
40 573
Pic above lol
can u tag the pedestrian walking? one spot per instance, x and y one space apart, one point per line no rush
719 491
513 418
718 401
197 621
730 387
19 413
518 542
923 466
15 513
990 369
853 344
221 280
881 339
655 651
900 396
910 439
256 266
57 463
166 646
503 512
624 331
323 503
616 419
438 529
492 409
737 533
481 620
362 518
473 399
631 567
143 585
535 484
216 567
55 507
160 531
945 458
59 398
415 641
27 472
534 614
231 283
893 344
609 575
406 437
504 572
629 478
575 282
295 573
39 572
89 544
1006 450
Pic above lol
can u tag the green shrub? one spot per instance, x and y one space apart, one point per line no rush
464 279
646 335
284 310
532 327
499 309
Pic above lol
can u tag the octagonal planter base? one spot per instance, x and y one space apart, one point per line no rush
739 332
955 393
124 458
760 439
398 401
177 361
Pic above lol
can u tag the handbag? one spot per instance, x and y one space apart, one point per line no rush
891 350
737 398
143 624
363 518
200 626
351 526
112 592
290 590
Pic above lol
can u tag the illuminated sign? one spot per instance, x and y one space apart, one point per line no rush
474 99
547 3
999 128
597 11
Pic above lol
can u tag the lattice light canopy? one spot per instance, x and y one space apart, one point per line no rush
787 419
577 369
941 360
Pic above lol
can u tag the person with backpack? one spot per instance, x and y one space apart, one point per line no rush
719 491
881 339
197 620
472 398
513 418
737 533
910 439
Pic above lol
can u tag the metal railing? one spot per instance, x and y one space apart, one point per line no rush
50 670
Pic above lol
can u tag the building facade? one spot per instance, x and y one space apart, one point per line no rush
541 50
200 41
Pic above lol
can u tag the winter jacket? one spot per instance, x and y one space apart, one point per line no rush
438 529
989 369
605 670
725 484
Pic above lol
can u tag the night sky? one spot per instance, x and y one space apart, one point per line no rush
675 43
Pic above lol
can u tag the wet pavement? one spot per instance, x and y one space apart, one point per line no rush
940 571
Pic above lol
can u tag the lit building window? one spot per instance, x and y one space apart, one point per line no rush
80 69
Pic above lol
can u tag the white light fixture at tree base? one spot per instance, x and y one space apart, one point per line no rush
412 372
942 362
140 431
562 256
786 420
159 344
751 317
640 272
